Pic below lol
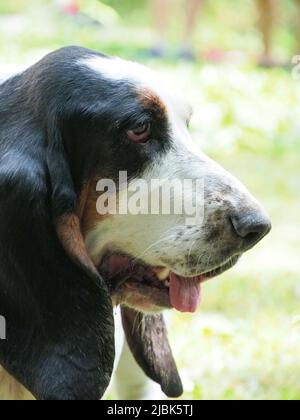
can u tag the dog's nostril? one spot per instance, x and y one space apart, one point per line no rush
251 227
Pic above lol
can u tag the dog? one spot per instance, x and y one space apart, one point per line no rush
70 121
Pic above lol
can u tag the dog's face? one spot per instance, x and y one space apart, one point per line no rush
74 128
156 259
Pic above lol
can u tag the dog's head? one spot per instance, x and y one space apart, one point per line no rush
107 155
173 218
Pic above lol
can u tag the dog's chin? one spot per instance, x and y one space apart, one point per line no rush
152 289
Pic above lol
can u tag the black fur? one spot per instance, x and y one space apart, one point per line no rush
59 124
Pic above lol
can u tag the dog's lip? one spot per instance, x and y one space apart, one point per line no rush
185 293
176 291
163 273
136 275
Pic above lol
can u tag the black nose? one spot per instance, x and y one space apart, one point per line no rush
252 227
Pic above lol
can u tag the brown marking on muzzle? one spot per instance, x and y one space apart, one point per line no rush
90 216
71 234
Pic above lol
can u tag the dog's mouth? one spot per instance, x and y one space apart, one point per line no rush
147 288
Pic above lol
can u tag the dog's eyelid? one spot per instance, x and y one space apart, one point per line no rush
140 124
131 122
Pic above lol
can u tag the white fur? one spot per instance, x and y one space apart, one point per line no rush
115 68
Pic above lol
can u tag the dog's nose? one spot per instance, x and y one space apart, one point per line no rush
252 227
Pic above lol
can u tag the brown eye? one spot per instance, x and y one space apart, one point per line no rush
140 134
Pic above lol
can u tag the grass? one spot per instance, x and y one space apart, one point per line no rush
244 342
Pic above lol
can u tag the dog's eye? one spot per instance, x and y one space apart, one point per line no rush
140 134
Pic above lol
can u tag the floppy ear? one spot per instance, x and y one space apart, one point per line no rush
60 330
148 340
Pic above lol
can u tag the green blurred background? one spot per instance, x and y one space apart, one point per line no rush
244 343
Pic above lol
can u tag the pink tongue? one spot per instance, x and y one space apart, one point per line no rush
185 293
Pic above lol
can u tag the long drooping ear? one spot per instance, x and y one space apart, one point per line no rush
67 209
59 319
147 338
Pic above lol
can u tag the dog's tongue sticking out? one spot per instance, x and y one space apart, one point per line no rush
185 293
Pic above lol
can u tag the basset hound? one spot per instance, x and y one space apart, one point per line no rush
70 121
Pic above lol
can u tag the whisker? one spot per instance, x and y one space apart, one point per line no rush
165 238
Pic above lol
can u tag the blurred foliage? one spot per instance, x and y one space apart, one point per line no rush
244 343
225 25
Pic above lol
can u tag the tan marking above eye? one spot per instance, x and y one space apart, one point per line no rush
151 100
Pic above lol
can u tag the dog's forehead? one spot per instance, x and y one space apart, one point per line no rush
148 84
